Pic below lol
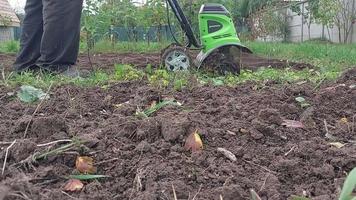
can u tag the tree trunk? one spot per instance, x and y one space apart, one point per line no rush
329 33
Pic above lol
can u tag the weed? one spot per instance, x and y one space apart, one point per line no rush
302 102
83 177
349 186
299 198
59 150
154 108
127 73
160 78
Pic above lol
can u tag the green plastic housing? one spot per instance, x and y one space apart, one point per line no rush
226 33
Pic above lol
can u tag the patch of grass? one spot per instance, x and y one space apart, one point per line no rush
9 46
328 57
96 78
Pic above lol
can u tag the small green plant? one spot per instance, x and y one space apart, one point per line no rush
302 102
127 73
349 187
299 198
159 78
154 108
149 69
59 150
29 94
84 177
180 79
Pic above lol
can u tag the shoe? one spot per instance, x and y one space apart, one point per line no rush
70 71
32 69
73 72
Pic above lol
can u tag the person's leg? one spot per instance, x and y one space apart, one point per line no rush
31 36
61 33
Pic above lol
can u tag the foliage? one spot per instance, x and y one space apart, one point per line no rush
160 78
31 94
345 19
155 107
87 176
5 20
269 23
127 73
327 12
349 186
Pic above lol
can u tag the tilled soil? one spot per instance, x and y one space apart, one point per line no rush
145 158
106 61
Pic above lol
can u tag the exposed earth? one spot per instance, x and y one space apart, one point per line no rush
145 158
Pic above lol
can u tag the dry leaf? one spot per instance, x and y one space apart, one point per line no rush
228 154
338 145
193 142
230 132
73 185
292 124
85 164
153 103
344 120
242 130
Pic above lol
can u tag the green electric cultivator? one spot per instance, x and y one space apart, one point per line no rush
220 47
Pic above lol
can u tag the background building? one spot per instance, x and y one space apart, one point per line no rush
8 21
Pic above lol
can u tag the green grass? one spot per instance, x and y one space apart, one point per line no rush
324 55
9 47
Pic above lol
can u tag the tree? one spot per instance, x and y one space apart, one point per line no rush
310 13
345 19
157 17
327 12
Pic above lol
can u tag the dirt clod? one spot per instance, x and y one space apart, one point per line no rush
53 127
174 128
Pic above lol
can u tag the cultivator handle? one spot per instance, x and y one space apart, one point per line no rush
184 23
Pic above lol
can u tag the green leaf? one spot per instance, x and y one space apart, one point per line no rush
148 112
87 176
300 99
31 94
299 198
349 186
302 102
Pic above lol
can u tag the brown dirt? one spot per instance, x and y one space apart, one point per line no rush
106 61
145 158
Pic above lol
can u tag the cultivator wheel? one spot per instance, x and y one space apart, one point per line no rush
176 58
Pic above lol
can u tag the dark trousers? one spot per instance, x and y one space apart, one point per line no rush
50 33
